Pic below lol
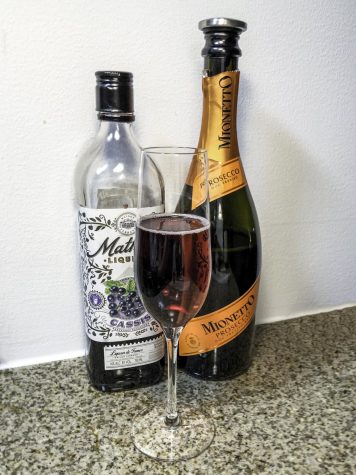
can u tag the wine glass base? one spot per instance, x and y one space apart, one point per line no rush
193 434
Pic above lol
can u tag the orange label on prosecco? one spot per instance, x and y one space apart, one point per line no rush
224 178
206 333
218 136
199 191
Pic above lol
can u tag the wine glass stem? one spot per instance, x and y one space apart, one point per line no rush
172 338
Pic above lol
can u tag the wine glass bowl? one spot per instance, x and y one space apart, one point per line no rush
173 271
181 241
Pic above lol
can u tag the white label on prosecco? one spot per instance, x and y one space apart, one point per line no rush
112 307
133 354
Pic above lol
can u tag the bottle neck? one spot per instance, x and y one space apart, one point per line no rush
111 130
218 130
218 64
221 51
218 133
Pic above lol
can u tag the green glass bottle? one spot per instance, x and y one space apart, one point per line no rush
217 344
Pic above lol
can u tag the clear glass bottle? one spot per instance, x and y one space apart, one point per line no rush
125 345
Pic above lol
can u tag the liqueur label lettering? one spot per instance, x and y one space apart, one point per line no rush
127 356
215 329
113 310
113 248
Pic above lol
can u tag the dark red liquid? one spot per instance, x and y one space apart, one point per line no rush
173 266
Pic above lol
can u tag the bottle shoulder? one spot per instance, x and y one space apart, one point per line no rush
107 163
236 211
105 157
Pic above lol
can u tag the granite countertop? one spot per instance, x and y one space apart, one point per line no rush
291 413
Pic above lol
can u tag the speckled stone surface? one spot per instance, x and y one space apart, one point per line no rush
291 413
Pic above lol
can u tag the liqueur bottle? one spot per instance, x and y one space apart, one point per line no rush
125 346
217 344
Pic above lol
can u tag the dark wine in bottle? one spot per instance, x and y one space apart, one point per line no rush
217 343
172 263
125 345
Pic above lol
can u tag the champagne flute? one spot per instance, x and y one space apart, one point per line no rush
173 270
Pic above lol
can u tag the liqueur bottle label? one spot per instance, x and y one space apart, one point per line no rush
218 137
112 307
206 333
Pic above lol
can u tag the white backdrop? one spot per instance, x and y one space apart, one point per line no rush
296 126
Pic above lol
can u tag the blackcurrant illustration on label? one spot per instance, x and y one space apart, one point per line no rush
124 303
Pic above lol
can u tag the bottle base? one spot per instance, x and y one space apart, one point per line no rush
218 377
109 388
126 379
226 362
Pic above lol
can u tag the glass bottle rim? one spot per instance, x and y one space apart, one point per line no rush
172 150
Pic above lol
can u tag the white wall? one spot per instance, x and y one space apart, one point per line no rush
296 128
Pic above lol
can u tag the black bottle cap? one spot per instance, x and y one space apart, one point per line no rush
222 35
114 96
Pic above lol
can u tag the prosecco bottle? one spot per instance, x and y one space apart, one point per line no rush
217 343
125 346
